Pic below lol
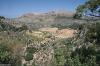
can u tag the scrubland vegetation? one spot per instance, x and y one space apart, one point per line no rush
25 46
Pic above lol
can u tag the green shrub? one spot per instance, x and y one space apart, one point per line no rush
23 27
81 55
31 50
28 57
5 54
93 33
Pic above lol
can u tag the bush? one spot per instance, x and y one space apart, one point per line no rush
7 57
5 54
28 57
23 27
93 33
31 50
7 27
84 54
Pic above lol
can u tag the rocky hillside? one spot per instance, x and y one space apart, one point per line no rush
38 20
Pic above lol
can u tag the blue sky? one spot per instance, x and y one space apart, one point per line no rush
14 8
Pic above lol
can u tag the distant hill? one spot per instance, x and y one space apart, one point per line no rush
38 20
36 17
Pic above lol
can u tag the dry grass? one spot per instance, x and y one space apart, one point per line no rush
63 33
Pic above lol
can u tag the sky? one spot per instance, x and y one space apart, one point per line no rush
15 8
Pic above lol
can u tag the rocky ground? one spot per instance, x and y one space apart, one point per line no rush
45 54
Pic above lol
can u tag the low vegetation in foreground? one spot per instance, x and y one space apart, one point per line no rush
57 44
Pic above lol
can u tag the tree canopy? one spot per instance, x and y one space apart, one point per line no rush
90 8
